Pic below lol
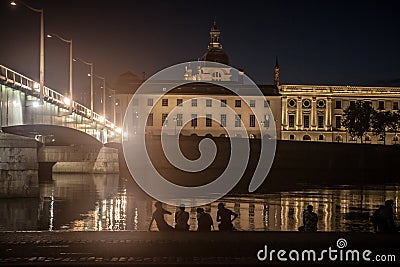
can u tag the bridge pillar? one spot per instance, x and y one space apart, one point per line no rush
18 166
79 159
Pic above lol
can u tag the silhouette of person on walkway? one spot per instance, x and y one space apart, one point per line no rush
376 219
204 221
158 216
181 219
310 219
386 222
224 216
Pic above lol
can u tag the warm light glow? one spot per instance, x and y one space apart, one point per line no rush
35 104
101 119
49 35
13 3
36 86
118 130
89 74
67 101
112 125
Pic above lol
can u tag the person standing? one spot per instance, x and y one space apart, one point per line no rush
158 216
204 221
310 219
224 216
181 219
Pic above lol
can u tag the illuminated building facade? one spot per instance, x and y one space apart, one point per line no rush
301 112
315 112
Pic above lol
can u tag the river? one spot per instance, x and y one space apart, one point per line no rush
85 202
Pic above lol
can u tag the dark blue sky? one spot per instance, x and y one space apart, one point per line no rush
317 42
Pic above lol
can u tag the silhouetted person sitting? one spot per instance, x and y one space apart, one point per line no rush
181 219
204 221
376 219
224 216
310 219
386 219
158 216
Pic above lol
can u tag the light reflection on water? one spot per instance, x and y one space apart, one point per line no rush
103 202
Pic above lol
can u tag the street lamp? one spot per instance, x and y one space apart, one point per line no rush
91 82
41 61
70 64
104 94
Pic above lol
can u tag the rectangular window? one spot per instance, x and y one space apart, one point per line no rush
223 102
266 121
252 120
238 120
266 103
381 105
223 120
352 103
252 103
179 118
338 122
194 120
320 121
208 102
149 102
238 103
150 120
306 121
194 102
338 104
165 102
395 105
291 120
179 102
164 121
208 120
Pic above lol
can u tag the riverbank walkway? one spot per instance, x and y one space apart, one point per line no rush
67 248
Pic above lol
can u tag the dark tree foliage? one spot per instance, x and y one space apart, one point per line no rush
357 119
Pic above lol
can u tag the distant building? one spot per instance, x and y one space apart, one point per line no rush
315 112
301 112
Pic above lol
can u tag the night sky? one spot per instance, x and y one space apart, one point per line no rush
317 42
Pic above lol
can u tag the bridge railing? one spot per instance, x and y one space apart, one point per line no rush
29 86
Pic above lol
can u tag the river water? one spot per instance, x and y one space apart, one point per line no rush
83 202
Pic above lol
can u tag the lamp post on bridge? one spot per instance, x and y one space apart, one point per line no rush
91 83
104 94
50 35
41 60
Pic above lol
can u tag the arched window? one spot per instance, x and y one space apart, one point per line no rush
321 137
291 137
339 138
367 138
209 135
306 138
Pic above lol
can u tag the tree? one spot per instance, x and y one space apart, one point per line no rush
394 124
380 122
357 118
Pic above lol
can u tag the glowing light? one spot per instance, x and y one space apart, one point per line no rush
13 3
118 130
67 101
112 125
35 104
36 86
49 35
101 119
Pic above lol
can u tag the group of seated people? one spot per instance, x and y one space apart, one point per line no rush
205 223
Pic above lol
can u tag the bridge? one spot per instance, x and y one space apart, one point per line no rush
39 136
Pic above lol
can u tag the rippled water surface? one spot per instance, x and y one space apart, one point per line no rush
105 202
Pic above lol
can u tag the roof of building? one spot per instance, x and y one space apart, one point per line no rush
200 88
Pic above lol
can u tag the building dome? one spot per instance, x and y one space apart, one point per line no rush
216 55
215 52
